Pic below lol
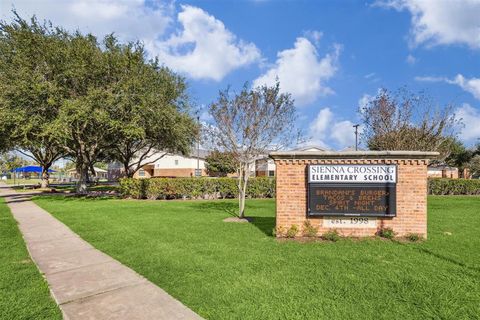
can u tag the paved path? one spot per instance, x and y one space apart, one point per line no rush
86 283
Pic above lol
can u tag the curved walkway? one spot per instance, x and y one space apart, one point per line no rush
86 283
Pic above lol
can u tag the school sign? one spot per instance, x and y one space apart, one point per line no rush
354 192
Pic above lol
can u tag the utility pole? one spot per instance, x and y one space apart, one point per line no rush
356 136
198 174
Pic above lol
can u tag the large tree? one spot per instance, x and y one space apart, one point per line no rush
31 73
251 123
458 155
406 121
151 108
220 164
10 161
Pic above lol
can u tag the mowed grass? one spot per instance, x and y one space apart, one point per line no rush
239 271
24 293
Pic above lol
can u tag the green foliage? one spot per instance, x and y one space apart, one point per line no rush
474 166
458 156
309 230
438 186
9 161
292 231
386 233
194 188
32 90
331 235
219 164
261 187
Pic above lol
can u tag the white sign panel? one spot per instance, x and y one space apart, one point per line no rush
331 173
353 222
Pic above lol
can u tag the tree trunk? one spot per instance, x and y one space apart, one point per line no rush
45 177
82 170
128 170
242 189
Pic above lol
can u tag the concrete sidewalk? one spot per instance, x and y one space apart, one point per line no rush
86 283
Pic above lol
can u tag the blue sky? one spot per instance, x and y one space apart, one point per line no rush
330 55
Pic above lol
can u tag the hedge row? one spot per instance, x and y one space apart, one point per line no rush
437 186
194 188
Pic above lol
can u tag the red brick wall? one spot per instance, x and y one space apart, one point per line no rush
291 201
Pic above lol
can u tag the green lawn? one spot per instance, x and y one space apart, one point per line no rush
22 181
24 293
239 271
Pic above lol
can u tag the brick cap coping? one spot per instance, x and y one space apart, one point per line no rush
353 154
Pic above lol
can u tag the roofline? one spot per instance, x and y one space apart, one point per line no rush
353 154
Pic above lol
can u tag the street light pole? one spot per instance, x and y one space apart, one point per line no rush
356 136
198 148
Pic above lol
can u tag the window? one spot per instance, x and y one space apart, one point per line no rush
271 173
176 162
141 173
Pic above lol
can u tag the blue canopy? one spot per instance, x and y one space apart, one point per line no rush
35 169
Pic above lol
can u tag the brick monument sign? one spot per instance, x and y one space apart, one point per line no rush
356 193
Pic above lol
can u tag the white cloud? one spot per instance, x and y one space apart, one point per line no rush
130 20
441 22
471 120
302 72
314 35
364 100
204 48
471 85
326 130
411 60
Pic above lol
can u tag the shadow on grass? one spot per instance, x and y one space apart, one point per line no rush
72 197
231 208
264 224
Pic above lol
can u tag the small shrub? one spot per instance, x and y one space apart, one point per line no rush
194 188
309 230
386 233
439 186
331 235
292 231
414 237
279 231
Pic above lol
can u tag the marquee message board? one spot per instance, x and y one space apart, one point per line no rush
352 190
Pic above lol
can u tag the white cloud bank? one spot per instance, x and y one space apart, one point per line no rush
326 130
130 19
200 46
441 22
302 72
471 120
213 51
471 85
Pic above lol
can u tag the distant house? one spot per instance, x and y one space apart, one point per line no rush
165 165
265 166
442 171
100 174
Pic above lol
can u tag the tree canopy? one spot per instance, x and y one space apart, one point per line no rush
220 164
251 123
31 90
66 94
405 121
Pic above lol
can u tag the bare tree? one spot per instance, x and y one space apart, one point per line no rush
250 124
406 121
